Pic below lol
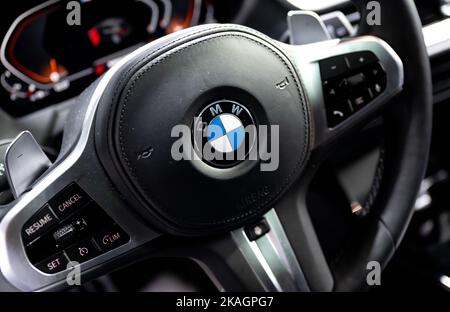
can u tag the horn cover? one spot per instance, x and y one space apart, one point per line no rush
168 84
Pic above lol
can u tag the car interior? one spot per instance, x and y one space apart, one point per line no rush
92 198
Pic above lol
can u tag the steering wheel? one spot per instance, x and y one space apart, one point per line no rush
116 194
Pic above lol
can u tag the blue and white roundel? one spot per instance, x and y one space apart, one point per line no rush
226 133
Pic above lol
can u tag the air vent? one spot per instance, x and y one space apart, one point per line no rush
440 67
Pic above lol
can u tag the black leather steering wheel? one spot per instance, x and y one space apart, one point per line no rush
117 188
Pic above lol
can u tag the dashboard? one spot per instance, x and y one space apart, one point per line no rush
45 60
47 55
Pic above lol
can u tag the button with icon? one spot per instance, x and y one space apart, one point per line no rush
110 238
82 252
339 112
361 59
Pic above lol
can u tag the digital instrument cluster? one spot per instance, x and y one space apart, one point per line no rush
46 59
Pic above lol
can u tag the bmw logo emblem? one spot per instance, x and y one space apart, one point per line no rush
224 133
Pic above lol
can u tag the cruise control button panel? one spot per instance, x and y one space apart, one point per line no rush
350 82
71 227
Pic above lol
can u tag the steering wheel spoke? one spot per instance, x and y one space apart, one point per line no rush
251 258
281 252
347 82
71 216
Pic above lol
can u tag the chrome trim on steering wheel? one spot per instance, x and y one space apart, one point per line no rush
272 258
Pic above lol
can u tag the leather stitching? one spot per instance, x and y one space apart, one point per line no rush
376 183
146 58
161 59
